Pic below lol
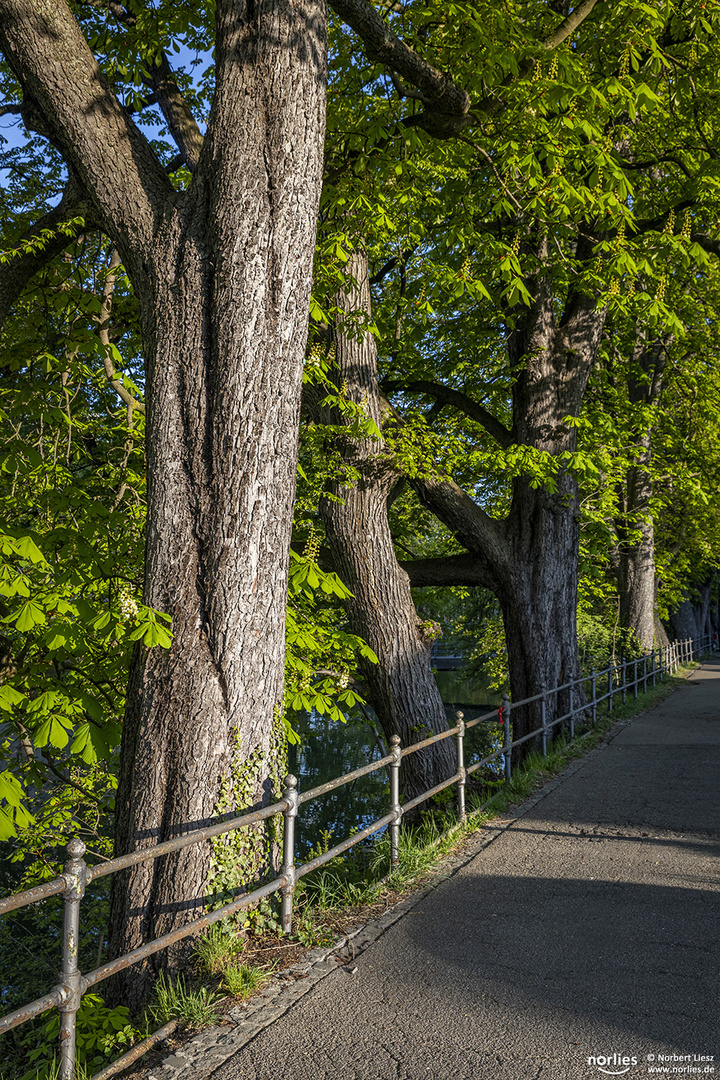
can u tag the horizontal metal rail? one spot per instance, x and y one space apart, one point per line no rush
76 874
339 849
332 785
31 896
186 840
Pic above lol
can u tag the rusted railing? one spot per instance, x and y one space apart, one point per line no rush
77 874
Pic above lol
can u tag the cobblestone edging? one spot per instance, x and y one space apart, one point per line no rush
201 1055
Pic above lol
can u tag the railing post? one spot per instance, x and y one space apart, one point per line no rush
654 666
571 710
610 686
288 866
460 766
395 808
623 676
635 677
507 752
75 873
593 684
645 673
543 717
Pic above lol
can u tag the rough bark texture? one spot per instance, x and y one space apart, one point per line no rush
683 622
538 591
636 566
530 559
401 686
222 275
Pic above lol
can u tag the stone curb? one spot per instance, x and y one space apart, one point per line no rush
201 1055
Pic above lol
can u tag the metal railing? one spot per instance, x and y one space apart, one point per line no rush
617 678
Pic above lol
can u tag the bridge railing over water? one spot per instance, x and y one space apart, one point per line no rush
599 686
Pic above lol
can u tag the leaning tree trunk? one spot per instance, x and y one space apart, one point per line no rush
401 686
224 318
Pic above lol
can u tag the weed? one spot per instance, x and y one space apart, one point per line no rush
50 1070
101 1034
242 980
264 918
196 1008
218 946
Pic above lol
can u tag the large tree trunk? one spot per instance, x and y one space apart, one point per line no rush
538 598
683 623
635 528
401 686
530 560
222 274
636 570
225 324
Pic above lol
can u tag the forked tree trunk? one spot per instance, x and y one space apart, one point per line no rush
401 686
530 560
224 316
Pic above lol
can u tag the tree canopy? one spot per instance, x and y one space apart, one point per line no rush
469 308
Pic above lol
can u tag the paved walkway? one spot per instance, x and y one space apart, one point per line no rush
586 930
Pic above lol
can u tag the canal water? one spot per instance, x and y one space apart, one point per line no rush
329 749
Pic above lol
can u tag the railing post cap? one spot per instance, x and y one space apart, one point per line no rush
290 781
394 740
76 848
460 714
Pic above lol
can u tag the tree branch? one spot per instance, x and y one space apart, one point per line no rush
569 25
458 400
483 536
658 161
43 43
448 105
104 335
463 569
178 115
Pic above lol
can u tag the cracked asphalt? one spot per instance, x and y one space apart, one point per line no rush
587 930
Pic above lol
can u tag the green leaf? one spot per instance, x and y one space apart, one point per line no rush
29 616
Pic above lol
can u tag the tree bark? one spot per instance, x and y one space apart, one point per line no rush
222 274
530 560
226 326
636 532
401 686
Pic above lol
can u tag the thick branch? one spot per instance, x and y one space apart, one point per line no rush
483 536
17 272
448 570
67 92
460 401
569 24
178 115
448 104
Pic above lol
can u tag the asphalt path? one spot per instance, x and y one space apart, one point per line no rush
582 942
